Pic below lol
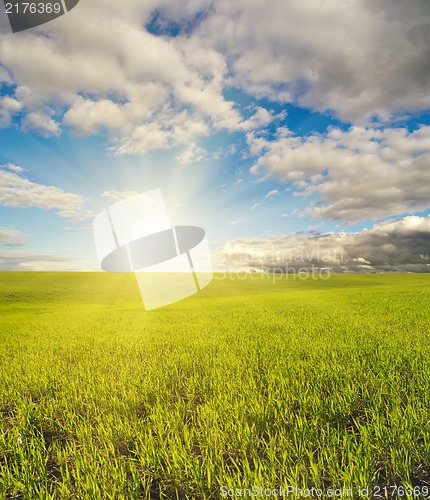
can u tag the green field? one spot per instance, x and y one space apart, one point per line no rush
308 383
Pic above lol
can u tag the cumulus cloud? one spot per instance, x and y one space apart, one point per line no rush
87 116
168 130
146 91
400 245
361 173
41 123
9 107
18 191
192 154
355 59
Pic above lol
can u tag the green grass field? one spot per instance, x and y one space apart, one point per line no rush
307 383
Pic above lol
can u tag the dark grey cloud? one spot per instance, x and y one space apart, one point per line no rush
401 245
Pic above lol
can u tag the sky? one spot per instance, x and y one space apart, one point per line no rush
294 132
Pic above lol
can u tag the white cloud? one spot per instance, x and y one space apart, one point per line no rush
167 131
113 195
356 58
14 168
42 265
108 85
88 228
192 154
272 193
88 116
258 204
78 214
361 173
104 84
26 261
4 76
41 123
18 191
11 238
361 260
9 107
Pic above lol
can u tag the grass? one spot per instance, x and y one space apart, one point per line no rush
311 383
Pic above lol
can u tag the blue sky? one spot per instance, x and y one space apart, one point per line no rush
313 133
